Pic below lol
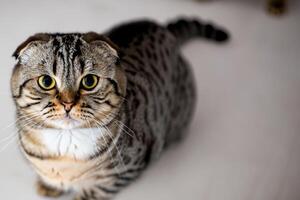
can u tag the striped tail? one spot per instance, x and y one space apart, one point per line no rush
186 29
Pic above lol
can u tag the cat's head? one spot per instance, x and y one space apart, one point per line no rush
68 80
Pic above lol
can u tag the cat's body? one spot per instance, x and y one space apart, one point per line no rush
144 100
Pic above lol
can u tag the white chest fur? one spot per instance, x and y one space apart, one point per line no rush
78 143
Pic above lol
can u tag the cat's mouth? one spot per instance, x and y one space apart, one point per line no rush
68 119
66 122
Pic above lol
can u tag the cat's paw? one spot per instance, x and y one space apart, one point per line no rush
86 197
80 198
47 191
77 198
277 7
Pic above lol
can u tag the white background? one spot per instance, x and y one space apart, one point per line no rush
244 142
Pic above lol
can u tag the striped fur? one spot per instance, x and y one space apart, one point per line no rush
144 100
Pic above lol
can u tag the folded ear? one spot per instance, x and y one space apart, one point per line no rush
43 37
92 37
119 75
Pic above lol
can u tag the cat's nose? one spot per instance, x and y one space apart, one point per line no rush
67 98
67 105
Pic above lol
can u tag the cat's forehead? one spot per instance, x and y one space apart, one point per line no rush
65 35
76 44
66 39
67 50
66 43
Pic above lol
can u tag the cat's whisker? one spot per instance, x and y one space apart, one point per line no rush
115 144
14 135
8 126
112 158
106 143
87 135
14 122
8 143
103 138
123 98
116 121
118 151
123 129
27 121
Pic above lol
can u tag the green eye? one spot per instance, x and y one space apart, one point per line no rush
89 82
46 82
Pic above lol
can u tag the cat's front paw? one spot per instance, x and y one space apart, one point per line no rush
80 198
88 197
47 191
77 198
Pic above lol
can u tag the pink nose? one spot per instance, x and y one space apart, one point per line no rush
68 105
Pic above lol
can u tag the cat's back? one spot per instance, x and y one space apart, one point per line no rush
160 84
126 34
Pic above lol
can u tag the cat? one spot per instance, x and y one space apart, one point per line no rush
95 109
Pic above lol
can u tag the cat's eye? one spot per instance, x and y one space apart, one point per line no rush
89 82
46 82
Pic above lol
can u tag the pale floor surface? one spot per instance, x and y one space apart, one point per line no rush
244 142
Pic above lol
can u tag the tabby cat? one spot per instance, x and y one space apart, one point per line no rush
93 110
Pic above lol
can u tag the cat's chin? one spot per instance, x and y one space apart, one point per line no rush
65 123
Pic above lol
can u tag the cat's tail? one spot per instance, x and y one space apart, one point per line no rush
185 29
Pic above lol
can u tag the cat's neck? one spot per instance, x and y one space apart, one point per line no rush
78 143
